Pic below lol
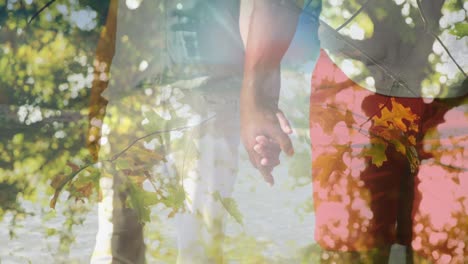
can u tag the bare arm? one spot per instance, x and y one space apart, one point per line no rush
272 27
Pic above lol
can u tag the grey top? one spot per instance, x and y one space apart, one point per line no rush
387 48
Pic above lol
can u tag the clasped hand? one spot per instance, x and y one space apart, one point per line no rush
265 133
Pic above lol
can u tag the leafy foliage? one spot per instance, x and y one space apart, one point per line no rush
397 127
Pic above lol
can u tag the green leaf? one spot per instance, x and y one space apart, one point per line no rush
231 207
51 231
399 146
377 152
460 29
150 198
122 164
137 202
175 198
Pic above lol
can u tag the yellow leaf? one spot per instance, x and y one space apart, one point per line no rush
396 117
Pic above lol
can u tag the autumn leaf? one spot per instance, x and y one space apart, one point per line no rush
391 128
328 88
58 181
388 133
53 201
324 165
73 166
396 116
85 190
325 118
349 119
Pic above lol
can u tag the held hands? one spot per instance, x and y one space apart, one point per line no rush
265 133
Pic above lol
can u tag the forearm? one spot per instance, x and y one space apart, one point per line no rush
272 27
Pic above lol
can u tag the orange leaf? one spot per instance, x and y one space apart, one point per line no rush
85 190
396 117
328 163
327 117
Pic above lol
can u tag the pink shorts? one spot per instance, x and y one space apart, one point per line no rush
379 161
